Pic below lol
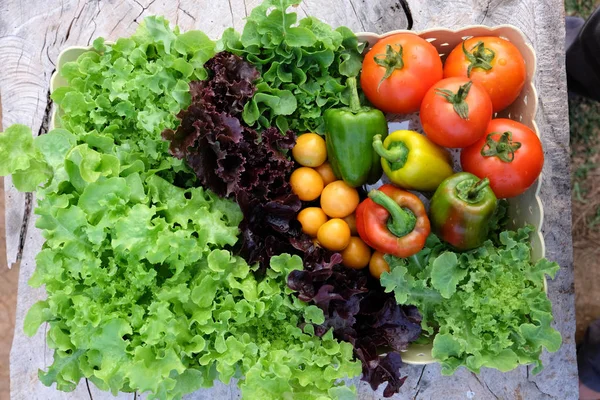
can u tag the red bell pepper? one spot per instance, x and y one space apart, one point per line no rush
393 221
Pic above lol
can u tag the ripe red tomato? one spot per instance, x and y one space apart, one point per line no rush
456 112
398 71
510 155
494 63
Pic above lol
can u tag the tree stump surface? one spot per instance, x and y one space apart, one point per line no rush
32 34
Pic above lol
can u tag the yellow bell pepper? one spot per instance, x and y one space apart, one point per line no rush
412 161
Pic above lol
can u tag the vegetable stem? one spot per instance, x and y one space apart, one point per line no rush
396 154
458 99
479 57
471 191
504 148
401 221
354 99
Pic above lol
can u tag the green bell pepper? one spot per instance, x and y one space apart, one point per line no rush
349 136
461 210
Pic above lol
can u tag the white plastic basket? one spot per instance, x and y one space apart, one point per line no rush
525 209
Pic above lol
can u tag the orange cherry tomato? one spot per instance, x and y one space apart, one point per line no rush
310 150
351 221
377 265
306 183
311 219
494 63
339 200
398 71
357 254
334 234
326 173
456 112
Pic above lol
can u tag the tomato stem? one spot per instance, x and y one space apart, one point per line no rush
401 221
458 99
479 57
504 148
391 61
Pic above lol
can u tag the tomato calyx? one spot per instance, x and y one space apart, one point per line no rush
401 221
479 57
504 148
391 60
458 99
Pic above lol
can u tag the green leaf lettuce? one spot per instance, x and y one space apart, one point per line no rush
487 307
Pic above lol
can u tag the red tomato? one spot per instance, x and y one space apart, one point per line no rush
494 63
510 155
456 112
398 71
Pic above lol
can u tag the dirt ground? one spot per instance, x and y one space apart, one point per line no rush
8 300
585 142
584 118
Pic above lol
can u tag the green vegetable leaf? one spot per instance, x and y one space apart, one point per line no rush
144 293
280 102
37 314
446 273
158 30
16 147
29 179
303 67
299 37
542 334
494 311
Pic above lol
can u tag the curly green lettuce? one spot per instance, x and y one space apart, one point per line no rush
487 307
131 90
303 65
143 293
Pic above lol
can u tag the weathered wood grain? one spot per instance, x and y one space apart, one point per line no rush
33 33
543 24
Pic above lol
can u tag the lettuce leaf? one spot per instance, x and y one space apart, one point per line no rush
144 294
23 160
303 65
131 90
486 307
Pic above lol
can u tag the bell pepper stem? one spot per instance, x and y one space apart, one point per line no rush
396 155
478 187
354 99
401 221
472 192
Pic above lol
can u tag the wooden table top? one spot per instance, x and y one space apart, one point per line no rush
32 34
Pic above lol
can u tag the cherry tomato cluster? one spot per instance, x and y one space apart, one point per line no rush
457 100
331 223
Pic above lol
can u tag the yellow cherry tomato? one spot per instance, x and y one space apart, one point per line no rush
339 200
334 234
306 183
311 219
310 150
357 254
351 221
326 173
378 264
